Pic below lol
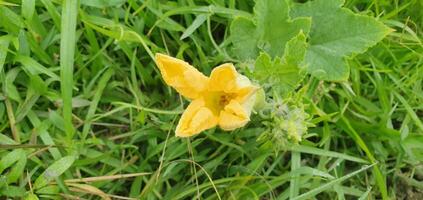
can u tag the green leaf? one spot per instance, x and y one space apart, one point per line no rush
9 87
37 84
199 20
9 159
6 140
54 171
284 74
31 197
4 46
269 31
32 67
102 3
310 171
28 9
24 48
67 54
311 193
413 147
7 15
7 3
276 26
335 34
54 14
244 38
49 190
16 160
294 185
323 152
13 191
17 169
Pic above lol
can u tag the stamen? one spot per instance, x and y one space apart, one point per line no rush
225 99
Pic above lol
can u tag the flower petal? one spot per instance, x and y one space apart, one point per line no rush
223 78
186 79
247 98
246 93
195 119
233 116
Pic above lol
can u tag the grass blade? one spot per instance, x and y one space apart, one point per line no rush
53 171
380 179
294 187
322 152
199 20
314 192
67 52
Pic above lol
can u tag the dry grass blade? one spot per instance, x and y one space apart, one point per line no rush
106 178
84 188
88 189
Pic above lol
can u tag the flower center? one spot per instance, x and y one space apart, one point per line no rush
224 99
217 101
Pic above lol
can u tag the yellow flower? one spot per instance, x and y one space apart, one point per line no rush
226 98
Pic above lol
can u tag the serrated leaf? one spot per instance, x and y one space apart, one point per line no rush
244 38
53 171
283 74
277 28
335 33
269 30
295 50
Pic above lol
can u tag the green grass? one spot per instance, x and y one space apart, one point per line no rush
93 118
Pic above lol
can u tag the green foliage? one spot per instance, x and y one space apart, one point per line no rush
67 53
16 160
269 30
54 171
282 75
336 33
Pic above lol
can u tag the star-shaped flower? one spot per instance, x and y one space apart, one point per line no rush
226 98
